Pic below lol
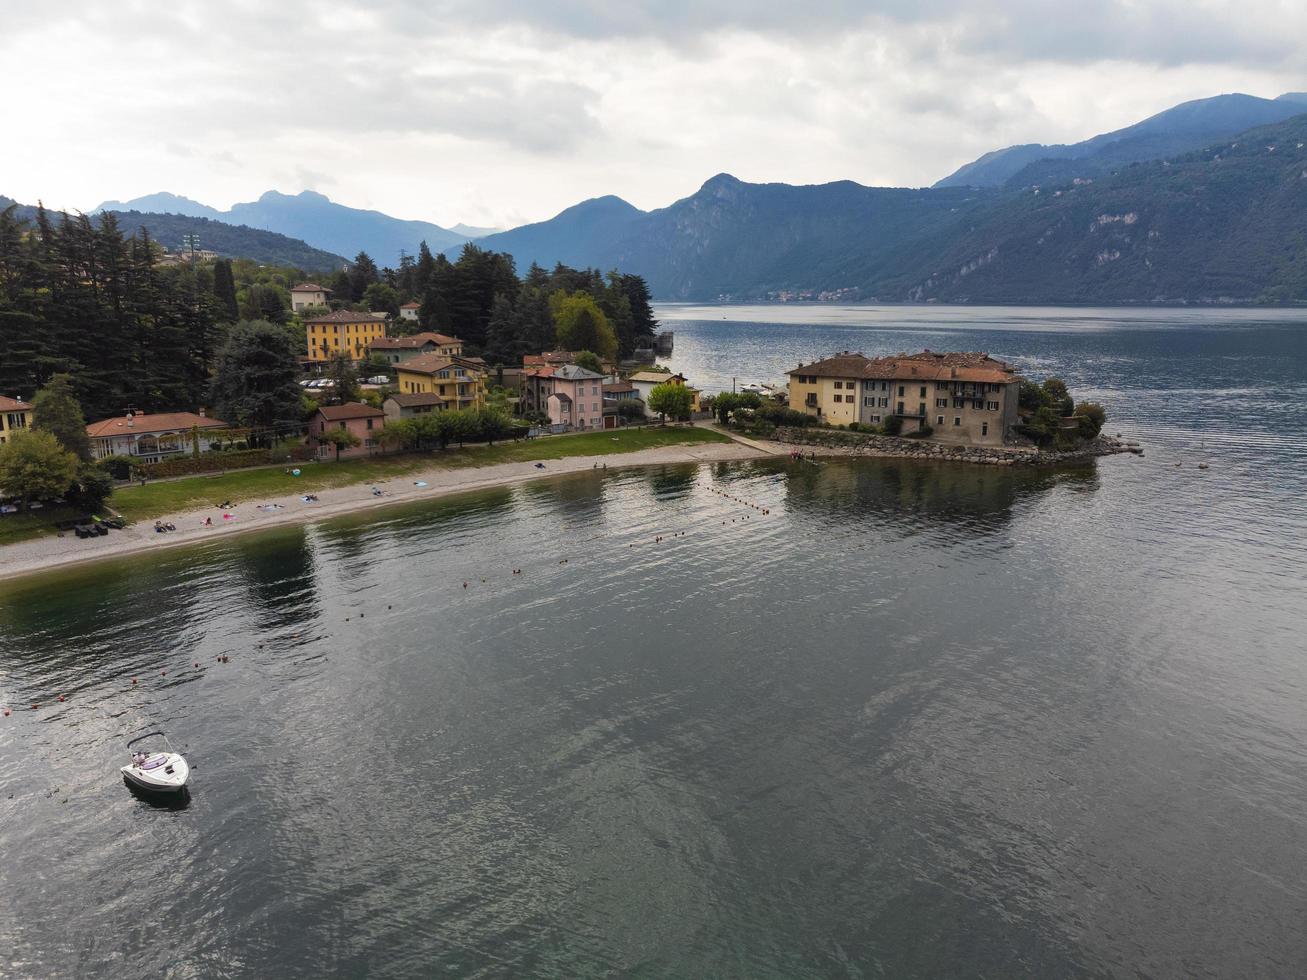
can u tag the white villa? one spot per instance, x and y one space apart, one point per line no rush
151 438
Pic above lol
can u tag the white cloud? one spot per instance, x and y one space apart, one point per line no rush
505 110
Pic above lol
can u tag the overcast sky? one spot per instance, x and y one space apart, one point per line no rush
505 111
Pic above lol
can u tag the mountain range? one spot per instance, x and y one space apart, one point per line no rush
316 220
1199 203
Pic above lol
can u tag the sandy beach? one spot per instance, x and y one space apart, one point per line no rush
261 514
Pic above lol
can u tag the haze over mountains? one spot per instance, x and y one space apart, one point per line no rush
1175 208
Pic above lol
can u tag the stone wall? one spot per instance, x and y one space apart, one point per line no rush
835 442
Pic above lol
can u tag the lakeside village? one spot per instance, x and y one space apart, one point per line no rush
429 393
226 367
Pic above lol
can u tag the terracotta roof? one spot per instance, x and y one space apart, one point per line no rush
13 405
345 316
414 342
409 399
620 386
410 306
309 287
540 372
549 357
924 366
160 422
350 410
657 377
433 362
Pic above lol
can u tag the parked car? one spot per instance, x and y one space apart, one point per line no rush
379 379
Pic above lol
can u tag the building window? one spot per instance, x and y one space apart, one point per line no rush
923 392
957 419
869 402
984 428
939 420
875 418
941 403
369 423
839 384
900 394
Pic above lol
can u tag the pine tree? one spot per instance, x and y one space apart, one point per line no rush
362 274
224 290
55 410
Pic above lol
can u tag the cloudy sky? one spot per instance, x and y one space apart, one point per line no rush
504 111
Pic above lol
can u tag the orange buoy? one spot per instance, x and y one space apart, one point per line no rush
61 697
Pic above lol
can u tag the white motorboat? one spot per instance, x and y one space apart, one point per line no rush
157 771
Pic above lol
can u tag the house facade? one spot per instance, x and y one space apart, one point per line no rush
575 399
364 421
343 332
152 438
963 397
646 381
409 311
15 416
308 294
407 405
459 382
399 349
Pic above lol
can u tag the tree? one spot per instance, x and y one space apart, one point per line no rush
34 466
224 290
401 433
631 409
579 324
254 380
1092 416
670 400
493 424
381 297
589 360
362 274
344 380
55 409
340 438
91 487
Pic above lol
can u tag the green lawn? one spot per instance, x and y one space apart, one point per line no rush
139 503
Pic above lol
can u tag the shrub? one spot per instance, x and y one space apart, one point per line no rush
91 488
892 425
121 467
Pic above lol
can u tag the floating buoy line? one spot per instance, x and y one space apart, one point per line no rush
758 508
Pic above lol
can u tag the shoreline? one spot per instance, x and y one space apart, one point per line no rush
47 554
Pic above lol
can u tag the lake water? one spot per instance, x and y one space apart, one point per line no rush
920 720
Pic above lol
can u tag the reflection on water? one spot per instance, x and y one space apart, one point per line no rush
920 719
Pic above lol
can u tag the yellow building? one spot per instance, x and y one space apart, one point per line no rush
15 416
461 383
399 349
960 397
343 331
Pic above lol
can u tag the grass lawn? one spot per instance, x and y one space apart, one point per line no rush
138 503
34 523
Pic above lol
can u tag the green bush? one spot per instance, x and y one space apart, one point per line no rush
892 425
121 467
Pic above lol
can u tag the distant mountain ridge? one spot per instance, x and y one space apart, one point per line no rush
1181 129
228 240
315 219
1224 224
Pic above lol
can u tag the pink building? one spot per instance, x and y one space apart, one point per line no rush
574 398
364 421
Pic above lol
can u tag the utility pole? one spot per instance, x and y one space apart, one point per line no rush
192 242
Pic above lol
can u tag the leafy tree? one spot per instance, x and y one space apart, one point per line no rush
34 466
344 380
579 324
402 433
254 381
55 409
1092 417
459 426
264 301
340 438
893 425
670 400
381 297
90 488
589 360
493 424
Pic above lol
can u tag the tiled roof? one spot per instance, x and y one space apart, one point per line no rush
562 396
570 372
159 422
309 287
410 399
410 306
924 366
13 405
657 377
414 342
433 362
345 316
619 387
549 357
350 410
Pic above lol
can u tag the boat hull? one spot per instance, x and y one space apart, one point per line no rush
170 777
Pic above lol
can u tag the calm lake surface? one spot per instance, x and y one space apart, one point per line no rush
921 720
